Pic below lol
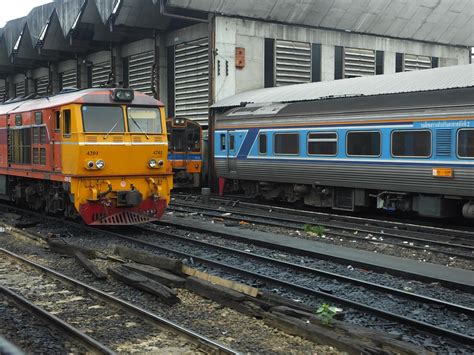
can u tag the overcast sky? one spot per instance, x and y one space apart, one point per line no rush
12 9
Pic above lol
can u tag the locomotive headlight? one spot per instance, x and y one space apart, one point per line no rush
99 164
152 163
90 164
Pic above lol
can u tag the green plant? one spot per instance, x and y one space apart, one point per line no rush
318 230
326 313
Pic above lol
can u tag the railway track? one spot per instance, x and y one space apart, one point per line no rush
412 316
448 242
212 256
82 342
112 322
400 224
249 264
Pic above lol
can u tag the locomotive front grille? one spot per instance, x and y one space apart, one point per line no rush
123 218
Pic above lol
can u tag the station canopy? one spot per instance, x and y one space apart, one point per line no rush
441 21
62 29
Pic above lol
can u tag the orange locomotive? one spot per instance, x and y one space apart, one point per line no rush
99 153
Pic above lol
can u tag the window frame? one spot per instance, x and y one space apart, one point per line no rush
223 141
38 118
285 133
18 120
67 116
322 155
124 117
57 121
266 143
364 156
127 119
409 156
457 143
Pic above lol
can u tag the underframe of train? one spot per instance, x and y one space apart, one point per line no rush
40 195
352 199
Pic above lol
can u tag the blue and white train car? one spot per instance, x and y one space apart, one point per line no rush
409 150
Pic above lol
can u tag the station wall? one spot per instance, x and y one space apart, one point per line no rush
251 35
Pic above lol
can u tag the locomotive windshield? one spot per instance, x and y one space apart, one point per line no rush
185 139
103 119
144 120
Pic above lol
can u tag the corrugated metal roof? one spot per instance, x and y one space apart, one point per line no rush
440 21
422 80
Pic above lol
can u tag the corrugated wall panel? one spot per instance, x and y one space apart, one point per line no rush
192 80
68 79
3 91
292 63
100 74
20 89
358 62
140 71
42 85
416 62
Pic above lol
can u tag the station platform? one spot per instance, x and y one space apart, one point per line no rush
452 277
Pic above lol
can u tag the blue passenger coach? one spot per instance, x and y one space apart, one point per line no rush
404 151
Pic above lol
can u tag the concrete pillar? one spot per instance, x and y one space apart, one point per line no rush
54 75
118 61
389 62
30 84
11 86
82 73
163 69
327 62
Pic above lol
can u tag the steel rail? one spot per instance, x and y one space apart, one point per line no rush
319 255
352 219
88 342
297 267
299 224
140 312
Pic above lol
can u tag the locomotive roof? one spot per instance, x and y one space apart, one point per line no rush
461 76
86 96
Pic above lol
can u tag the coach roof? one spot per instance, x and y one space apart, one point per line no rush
461 76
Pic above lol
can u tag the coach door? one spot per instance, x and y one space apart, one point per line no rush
231 152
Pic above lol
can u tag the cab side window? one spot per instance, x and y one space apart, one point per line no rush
67 123
57 121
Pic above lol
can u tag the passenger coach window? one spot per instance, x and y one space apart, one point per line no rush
286 143
363 143
103 119
262 144
67 123
322 143
411 144
222 141
466 143
144 120
231 142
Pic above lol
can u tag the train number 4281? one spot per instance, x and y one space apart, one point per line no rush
93 152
